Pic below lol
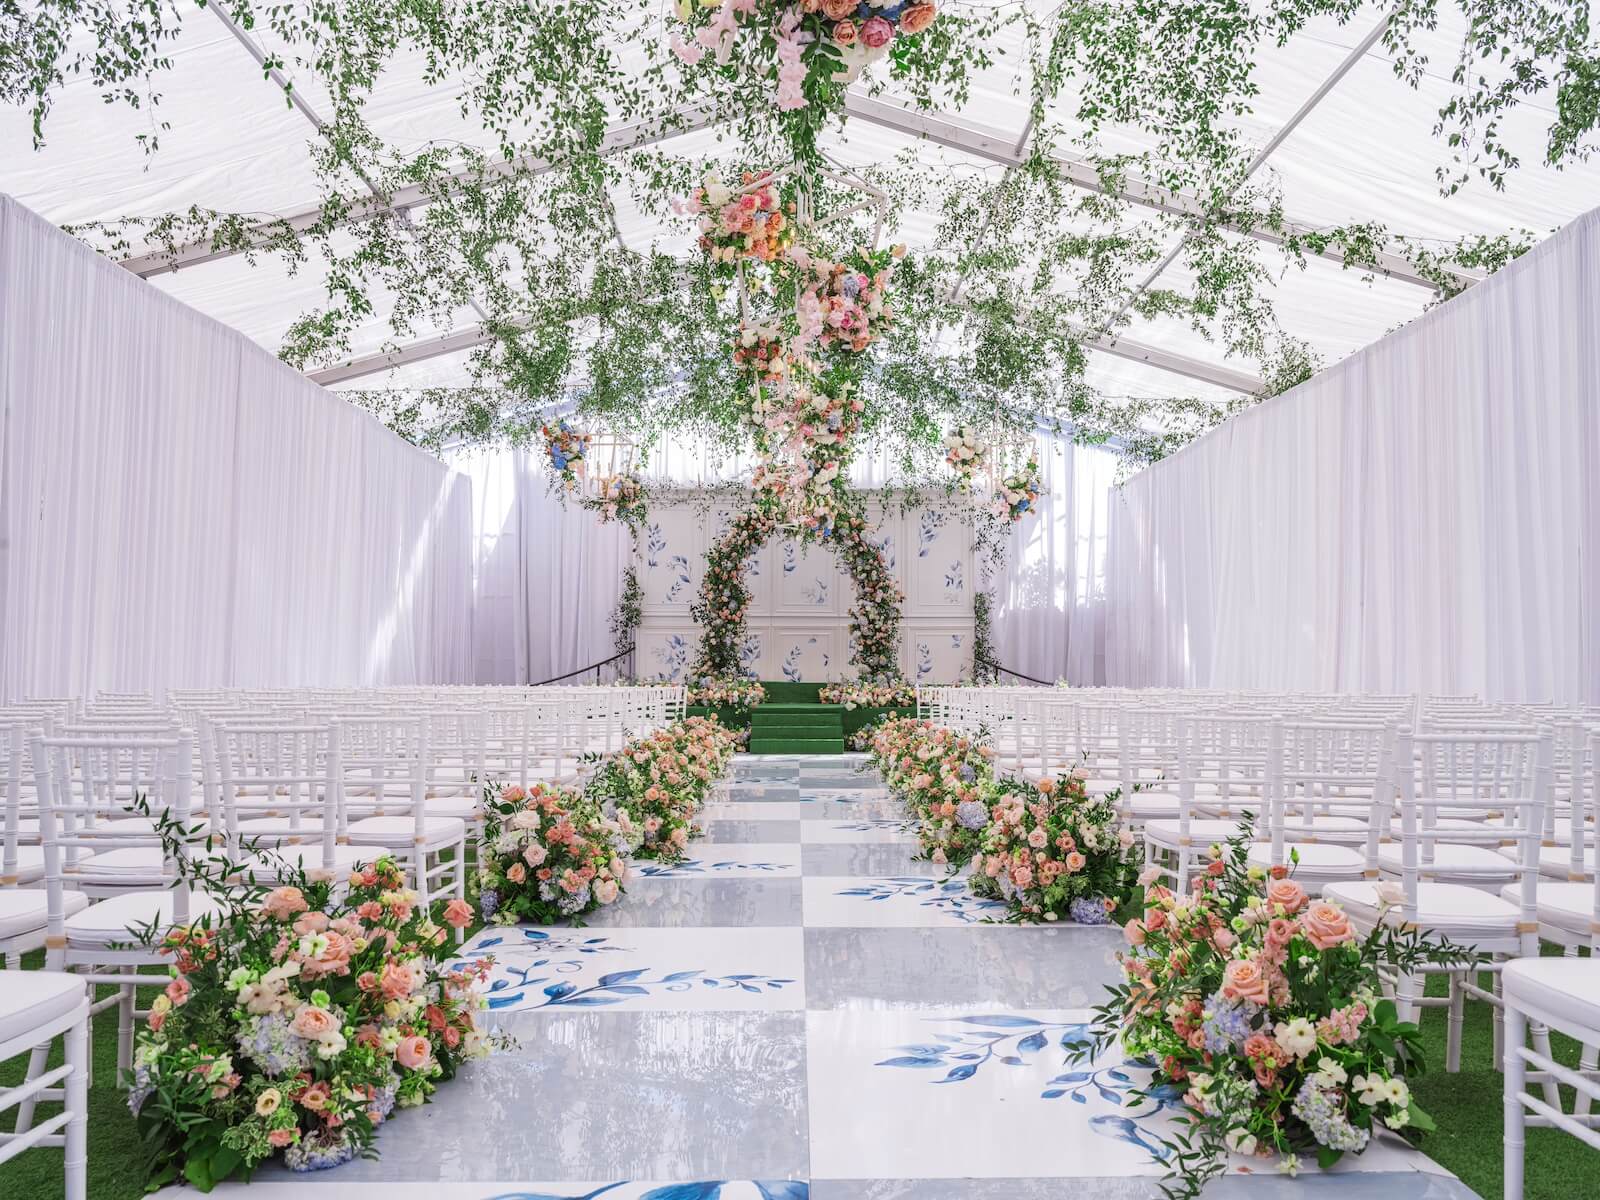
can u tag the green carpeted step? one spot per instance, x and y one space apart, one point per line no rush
791 693
800 732
800 720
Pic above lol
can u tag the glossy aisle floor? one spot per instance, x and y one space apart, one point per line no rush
801 1010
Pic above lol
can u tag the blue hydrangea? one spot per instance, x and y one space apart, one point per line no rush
967 773
1228 1023
270 1042
1323 1114
489 902
1089 910
141 1091
972 814
576 902
319 1151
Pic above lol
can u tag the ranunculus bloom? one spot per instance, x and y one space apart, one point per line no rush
1245 980
412 1052
875 32
458 913
914 18
1288 893
284 902
1326 925
314 1023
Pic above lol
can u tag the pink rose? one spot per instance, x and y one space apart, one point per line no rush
844 33
314 1023
915 18
284 902
397 981
279 1138
311 922
1223 940
1288 893
1075 861
516 872
1245 980
1326 925
178 992
458 913
1134 932
413 1052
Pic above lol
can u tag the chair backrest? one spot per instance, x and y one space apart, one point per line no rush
1335 767
72 771
1226 762
282 773
382 768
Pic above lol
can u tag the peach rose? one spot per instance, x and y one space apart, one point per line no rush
284 902
1134 932
915 18
838 10
516 872
397 981
1075 861
413 1052
458 913
314 1023
1245 980
1326 925
311 922
844 33
1287 893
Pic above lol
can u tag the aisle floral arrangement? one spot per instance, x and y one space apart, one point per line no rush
941 777
1052 852
869 693
737 692
551 854
566 447
1266 1006
661 782
297 1022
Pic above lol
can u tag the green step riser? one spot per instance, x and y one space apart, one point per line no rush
782 747
803 733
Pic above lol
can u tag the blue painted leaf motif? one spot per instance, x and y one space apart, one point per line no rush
628 989
684 1191
487 942
1107 1094
957 1074
1080 1097
1000 1021
557 990
588 1001
1034 1041
1073 1077
1125 1130
1118 1076
787 1189
680 976
926 1051
1011 1060
1052 1094
966 1057
617 977
912 1061
499 984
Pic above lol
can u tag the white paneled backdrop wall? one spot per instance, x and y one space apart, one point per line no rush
798 624
179 508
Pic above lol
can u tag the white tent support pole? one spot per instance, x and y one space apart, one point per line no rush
1277 139
630 136
476 335
997 146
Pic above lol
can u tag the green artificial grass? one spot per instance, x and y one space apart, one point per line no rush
1466 1106
797 728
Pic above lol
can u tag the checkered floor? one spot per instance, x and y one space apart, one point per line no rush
801 1010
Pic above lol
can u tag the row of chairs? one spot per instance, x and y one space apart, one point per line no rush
109 805
1465 819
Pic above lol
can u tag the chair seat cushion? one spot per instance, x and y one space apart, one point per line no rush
107 922
1316 859
465 808
1167 830
26 910
1452 909
266 827
1483 864
1564 989
31 999
397 831
308 857
30 862
1568 906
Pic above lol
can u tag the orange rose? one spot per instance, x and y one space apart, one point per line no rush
1245 980
1326 925
917 17
1287 893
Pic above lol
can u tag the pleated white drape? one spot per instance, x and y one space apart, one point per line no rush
179 508
1424 516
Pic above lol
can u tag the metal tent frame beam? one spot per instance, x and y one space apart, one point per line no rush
477 335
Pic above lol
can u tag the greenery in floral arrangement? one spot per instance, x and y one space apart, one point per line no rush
724 599
297 1021
662 780
1264 1009
567 448
941 777
736 692
1018 494
629 611
622 498
983 662
869 693
1052 852
551 854
862 738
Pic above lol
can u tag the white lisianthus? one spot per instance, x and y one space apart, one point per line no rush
1371 1090
1399 1094
1329 1074
1240 1141
1297 1036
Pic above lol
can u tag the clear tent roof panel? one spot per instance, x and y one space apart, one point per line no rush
1366 152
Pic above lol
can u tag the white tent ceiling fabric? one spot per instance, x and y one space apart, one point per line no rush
1365 152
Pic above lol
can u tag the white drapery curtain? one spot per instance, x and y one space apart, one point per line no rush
1425 516
549 575
179 508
